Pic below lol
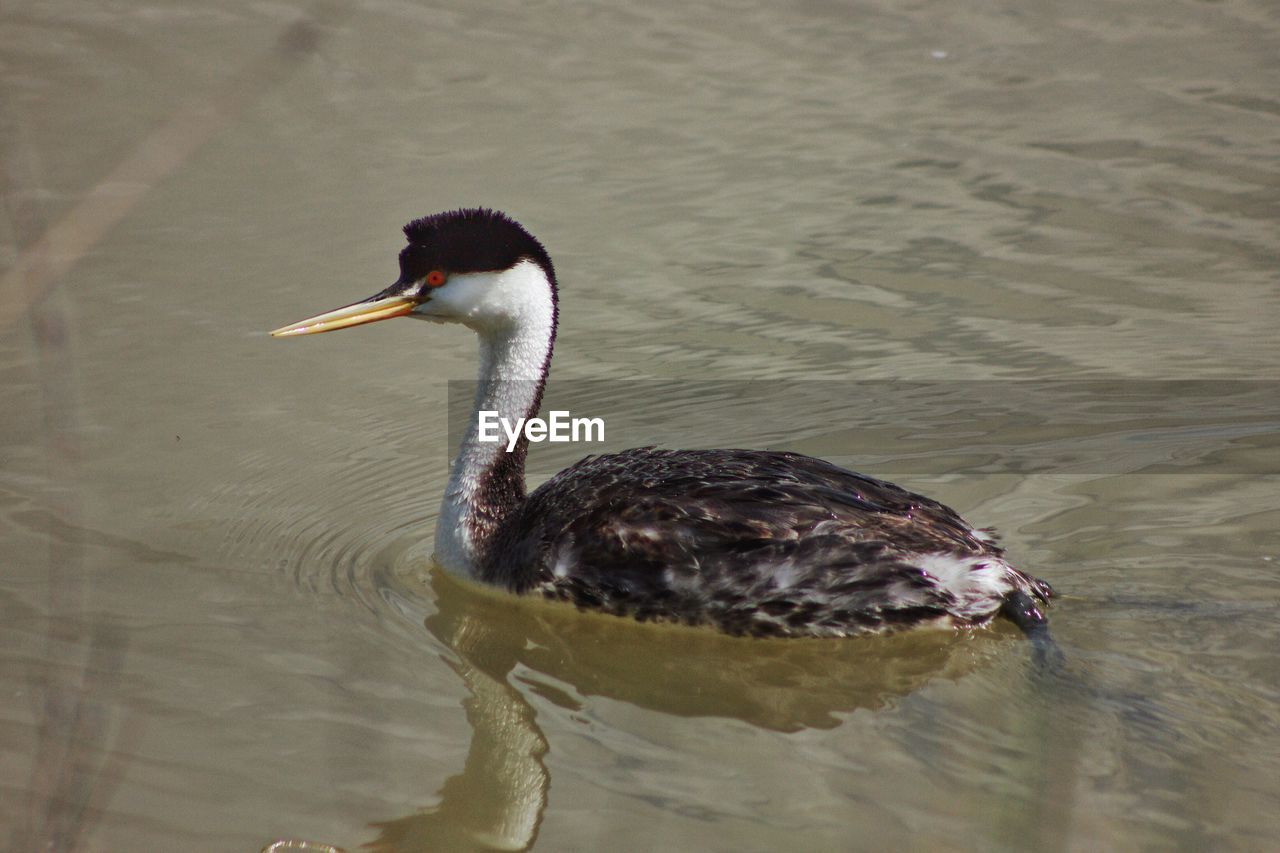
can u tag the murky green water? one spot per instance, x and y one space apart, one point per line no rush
219 623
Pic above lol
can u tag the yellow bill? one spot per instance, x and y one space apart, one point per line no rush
351 315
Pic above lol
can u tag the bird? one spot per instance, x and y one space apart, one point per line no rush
757 543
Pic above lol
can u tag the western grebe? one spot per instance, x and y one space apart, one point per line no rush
752 542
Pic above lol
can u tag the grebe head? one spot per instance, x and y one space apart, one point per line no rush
479 268
475 266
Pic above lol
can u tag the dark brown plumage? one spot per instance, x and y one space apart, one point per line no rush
750 542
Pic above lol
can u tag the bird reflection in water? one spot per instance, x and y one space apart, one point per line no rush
498 799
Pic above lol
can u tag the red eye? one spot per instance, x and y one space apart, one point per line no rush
435 278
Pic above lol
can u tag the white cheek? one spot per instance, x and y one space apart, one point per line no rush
490 300
442 307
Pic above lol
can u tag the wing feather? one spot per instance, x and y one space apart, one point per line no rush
756 542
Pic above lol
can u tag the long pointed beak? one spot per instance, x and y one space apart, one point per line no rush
351 315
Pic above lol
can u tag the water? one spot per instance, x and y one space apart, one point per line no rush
220 623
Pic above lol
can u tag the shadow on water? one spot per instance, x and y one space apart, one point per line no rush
781 685
496 643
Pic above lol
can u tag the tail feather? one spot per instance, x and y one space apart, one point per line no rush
1022 610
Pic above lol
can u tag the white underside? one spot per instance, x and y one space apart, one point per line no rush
979 583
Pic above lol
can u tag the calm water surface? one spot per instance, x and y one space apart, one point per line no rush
1026 255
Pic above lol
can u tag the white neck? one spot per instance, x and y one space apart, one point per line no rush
513 312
